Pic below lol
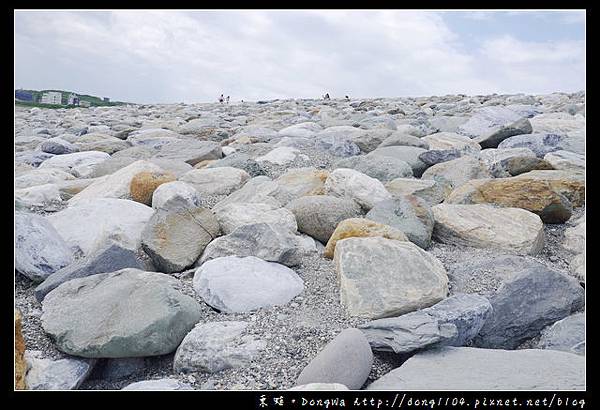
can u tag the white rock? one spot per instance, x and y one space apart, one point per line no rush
79 164
281 155
351 184
175 193
235 215
215 181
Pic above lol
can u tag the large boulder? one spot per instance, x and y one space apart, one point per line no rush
382 277
272 243
467 368
457 171
506 162
234 215
346 360
566 160
79 164
58 146
454 321
489 126
175 238
360 227
378 167
567 335
42 177
408 154
431 190
259 189
109 257
407 213
117 185
536 196
127 313
144 184
567 183
540 144
190 151
484 226
215 181
40 197
39 249
403 139
442 141
351 184
86 225
319 215
526 303
175 194
236 285
215 346
297 182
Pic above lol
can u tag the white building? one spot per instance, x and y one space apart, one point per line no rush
51 97
73 99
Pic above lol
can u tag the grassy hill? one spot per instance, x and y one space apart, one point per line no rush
92 99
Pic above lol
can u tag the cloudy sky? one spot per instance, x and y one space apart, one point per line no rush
162 56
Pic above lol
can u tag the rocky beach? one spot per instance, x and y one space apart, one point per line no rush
406 243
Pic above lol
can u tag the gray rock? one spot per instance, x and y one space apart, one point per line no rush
489 126
539 143
432 191
234 285
337 145
40 197
190 151
379 167
433 157
175 238
466 368
257 190
383 277
80 164
62 374
566 160
319 215
33 158
407 213
39 249
127 313
351 184
175 194
410 155
215 181
567 335
240 161
457 171
58 146
272 243
215 346
110 257
454 321
401 139
531 300
158 385
234 215
346 360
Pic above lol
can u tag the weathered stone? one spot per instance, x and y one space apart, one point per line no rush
384 277
346 360
86 225
536 196
79 164
484 226
567 183
62 374
190 151
58 146
378 167
451 141
298 182
567 335
272 243
235 285
540 144
42 177
39 249
118 369
430 190
410 155
40 197
319 215
526 303
215 181
257 190
234 215
351 184
281 156
402 139
467 368
433 157
457 171
144 184
175 194
175 238
215 346
109 257
359 227
454 321
489 126
566 160
407 213
99 316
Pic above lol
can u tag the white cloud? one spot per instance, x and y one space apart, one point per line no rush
173 56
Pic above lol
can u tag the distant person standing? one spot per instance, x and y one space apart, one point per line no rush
221 99
326 97
347 98
227 99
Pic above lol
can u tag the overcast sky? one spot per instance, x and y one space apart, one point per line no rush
163 56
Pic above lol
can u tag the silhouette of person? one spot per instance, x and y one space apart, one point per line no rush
221 99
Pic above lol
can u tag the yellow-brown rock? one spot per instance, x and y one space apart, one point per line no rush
204 164
568 183
359 227
20 364
534 195
145 183
299 182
